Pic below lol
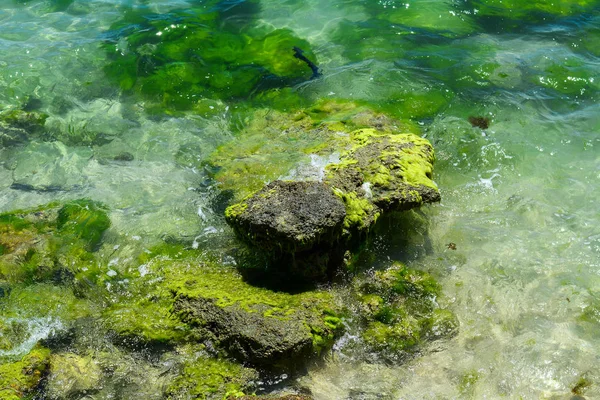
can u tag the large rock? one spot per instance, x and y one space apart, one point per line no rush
289 216
265 328
312 222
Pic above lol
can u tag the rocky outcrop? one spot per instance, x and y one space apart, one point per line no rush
307 225
274 330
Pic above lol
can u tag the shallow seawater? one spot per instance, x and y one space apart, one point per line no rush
509 96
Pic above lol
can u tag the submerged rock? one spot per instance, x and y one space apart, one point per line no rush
400 311
49 166
72 376
204 377
18 126
48 242
19 379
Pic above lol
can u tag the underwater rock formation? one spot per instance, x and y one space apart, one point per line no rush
400 311
45 243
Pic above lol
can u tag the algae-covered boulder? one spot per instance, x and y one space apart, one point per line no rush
18 126
376 173
400 310
176 60
72 376
19 379
270 329
44 243
289 216
203 377
382 172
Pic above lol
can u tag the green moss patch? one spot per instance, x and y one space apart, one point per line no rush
400 310
20 378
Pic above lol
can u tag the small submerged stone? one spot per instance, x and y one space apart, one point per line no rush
400 311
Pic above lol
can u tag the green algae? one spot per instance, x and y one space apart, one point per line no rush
18 379
203 377
441 17
531 11
382 172
180 59
44 300
400 310
40 243
83 219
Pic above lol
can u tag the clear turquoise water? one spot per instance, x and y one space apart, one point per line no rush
519 199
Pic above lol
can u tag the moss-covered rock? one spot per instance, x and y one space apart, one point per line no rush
180 58
20 378
382 172
256 325
72 376
400 310
49 241
204 377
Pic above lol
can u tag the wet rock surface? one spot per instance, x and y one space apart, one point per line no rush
290 216
274 330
